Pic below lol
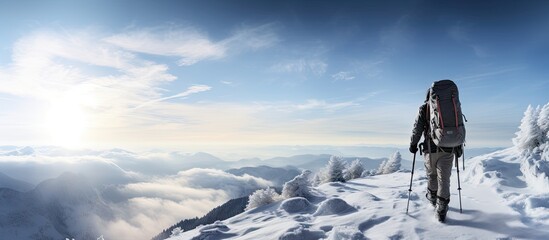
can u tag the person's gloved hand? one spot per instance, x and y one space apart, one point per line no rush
413 149
459 152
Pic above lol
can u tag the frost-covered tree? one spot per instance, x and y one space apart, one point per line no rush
529 135
370 172
262 197
176 231
300 186
355 170
533 141
317 179
392 164
381 167
334 170
543 123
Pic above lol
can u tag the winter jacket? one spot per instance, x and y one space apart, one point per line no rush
421 127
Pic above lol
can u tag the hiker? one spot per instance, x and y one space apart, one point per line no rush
439 159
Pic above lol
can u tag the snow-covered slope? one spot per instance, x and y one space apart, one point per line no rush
520 180
497 204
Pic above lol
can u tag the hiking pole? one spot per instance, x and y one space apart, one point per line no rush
411 178
463 155
459 184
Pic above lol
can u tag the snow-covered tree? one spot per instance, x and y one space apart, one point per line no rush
381 167
300 186
543 123
391 165
355 170
262 197
529 135
317 179
334 170
370 172
533 141
176 231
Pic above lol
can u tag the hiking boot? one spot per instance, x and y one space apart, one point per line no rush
431 196
442 208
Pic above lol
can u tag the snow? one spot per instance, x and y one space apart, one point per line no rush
297 205
498 203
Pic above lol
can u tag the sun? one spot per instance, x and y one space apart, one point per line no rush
67 122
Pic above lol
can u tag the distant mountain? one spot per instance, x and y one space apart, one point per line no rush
298 160
11 183
229 209
316 162
58 208
278 176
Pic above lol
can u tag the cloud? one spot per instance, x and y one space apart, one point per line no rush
306 66
160 203
461 34
109 78
253 38
189 44
48 65
480 76
343 76
321 104
140 205
395 38
192 45
189 91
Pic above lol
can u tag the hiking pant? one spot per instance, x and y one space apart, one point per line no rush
439 168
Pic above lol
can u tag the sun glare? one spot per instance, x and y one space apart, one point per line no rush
66 123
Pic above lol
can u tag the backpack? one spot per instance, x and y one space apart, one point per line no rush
446 127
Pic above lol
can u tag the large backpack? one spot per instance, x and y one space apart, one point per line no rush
446 127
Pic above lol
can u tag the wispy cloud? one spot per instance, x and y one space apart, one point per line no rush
343 76
108 76
306 66
189 44
254 38
461 34
395 38
321 104
479 76
192 45
189 91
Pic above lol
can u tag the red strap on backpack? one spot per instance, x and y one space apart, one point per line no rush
455 110
440 113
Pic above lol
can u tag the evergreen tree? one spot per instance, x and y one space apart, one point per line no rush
529 135
262 197
355 170
393 164
390 165
543 123
382 167
335 169
300 186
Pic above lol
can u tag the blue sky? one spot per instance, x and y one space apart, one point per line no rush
217 73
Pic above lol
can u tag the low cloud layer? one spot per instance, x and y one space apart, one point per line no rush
141 204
